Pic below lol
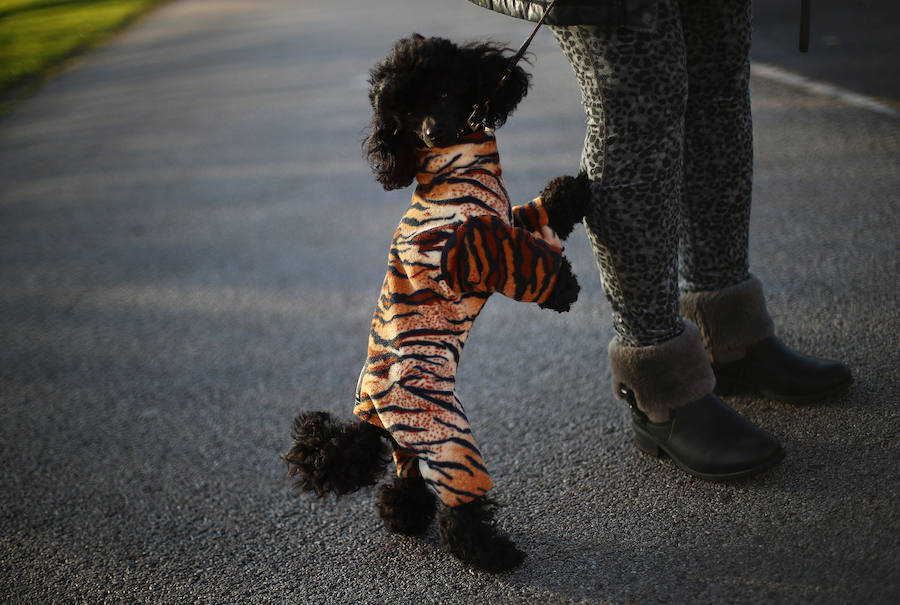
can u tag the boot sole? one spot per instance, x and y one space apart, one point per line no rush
730 387
645 442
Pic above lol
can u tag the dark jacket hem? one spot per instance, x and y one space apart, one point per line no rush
638 15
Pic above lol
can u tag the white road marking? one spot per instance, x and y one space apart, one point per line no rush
777 74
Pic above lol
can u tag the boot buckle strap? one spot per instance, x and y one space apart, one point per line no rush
627 395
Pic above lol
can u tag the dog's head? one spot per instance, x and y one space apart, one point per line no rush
422 94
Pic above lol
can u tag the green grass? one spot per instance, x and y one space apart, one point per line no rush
36 36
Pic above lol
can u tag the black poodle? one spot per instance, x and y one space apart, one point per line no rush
429 95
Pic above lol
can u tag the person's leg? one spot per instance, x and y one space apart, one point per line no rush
718 149
634 91
716 197
718 292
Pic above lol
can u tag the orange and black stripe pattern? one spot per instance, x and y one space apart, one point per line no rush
459 242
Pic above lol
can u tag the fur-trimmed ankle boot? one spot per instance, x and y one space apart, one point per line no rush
674 412
747 357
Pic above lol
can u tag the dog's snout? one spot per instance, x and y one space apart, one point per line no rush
435 132
429 127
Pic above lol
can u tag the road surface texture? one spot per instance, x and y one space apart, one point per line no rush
190 249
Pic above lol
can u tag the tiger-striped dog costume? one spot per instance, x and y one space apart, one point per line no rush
459 241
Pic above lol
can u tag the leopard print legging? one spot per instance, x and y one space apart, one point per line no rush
670 153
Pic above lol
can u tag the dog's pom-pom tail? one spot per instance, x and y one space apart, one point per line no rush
407 505
334 457
468 533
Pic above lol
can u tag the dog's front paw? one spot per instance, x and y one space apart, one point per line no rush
406 505
469 534
566 200
565 290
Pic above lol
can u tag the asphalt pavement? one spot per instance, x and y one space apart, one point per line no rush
190 249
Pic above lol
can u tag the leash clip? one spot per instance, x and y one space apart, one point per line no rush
477 120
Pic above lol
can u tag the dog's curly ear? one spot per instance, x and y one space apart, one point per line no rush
507 98
388 148
490 64
391 156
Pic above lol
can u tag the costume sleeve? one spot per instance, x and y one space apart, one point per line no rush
487 255
530 216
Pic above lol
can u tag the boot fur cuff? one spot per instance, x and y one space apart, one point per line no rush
664 376
730 319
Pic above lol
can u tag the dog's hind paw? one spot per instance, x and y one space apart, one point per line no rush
468 533
406 505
